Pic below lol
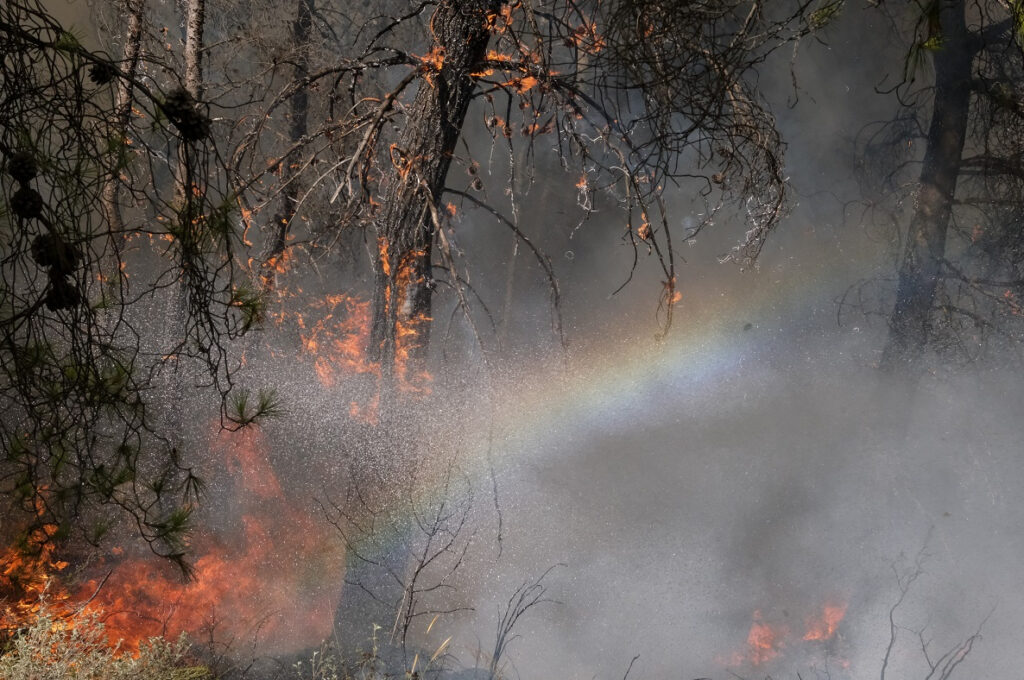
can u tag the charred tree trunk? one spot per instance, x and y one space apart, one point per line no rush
403 288
909 323
298 117
414 185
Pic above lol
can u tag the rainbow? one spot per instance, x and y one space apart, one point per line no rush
630 381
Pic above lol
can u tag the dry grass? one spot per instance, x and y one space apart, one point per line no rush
77 648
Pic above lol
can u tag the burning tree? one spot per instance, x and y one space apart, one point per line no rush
634 97
639 95
631 97
149 178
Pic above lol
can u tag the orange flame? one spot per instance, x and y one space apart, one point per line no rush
27 575
434 59
337 342
498 22
267 582
766 641
824 627
521 85
501 57
763 641
277 577
587 39
410 328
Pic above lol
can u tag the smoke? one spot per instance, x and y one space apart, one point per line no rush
744 470
750 468
778 494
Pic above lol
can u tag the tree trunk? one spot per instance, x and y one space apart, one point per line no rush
298 116
123 111
910 321
195 20
183 172
413 189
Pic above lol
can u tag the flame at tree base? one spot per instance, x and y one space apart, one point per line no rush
276 580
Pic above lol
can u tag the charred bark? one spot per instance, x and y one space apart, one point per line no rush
911 317
298 118
414 185
403 286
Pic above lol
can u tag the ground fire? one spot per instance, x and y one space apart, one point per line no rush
769 641
270 573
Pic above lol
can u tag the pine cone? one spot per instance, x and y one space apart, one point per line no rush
63 294
22 167
27 203
102 72
181 109
50 250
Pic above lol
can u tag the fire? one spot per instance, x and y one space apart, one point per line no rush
26 574
265 579
767 641
272 267
247 222
763 641
408 338
338 340
335 335
431 63
536 129
434 58
521 85
498 22
279 261
271 573
502 60
824 627
385 255
500 57
411 326
263 566
587 39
